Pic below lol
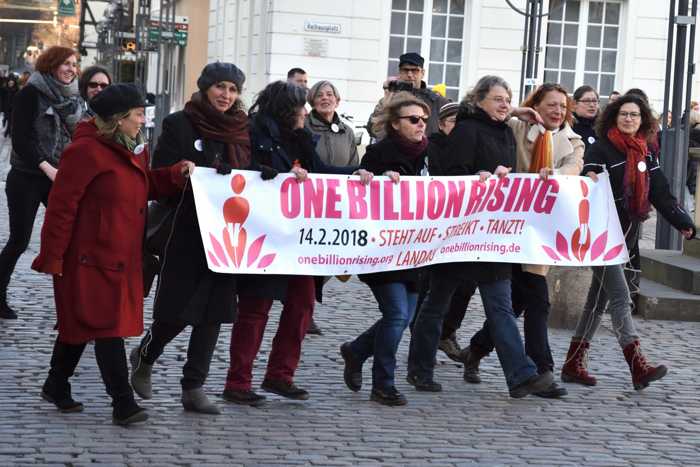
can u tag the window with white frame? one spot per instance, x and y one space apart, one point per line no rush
443 22
583 44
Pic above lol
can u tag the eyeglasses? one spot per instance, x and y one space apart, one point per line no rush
588 101
414 120
500 100
631 115
95 84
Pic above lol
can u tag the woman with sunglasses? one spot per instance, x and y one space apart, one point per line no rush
93 80
586 108
403 152
637 184
45 113
547 148
481 143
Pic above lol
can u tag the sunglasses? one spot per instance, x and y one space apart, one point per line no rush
95 84
414 120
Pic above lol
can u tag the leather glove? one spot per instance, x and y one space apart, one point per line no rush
223 168
267 172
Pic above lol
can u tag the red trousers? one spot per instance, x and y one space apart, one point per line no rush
249 328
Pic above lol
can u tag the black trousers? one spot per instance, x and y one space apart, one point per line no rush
633 269
199 351
530 295
458 305
111 360
24 194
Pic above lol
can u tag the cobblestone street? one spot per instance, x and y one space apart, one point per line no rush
610 424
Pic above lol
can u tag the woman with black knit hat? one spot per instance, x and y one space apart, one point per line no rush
211 131
91 244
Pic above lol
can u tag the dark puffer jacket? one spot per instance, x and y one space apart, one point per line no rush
476 143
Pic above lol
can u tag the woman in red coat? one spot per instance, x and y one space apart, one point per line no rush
91 243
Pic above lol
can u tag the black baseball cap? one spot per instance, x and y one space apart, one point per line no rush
411 58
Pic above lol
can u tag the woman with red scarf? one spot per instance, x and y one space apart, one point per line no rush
211 131
637 183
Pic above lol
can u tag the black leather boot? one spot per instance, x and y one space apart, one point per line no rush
111 359
56 388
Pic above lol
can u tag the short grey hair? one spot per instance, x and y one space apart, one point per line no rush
482 88
316 89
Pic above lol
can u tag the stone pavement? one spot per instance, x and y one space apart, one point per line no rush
610 424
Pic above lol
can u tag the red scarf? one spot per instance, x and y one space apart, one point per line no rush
409 148
635 181
230 128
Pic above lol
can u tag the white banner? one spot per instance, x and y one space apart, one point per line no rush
333 225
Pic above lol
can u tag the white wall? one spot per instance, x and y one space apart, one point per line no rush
267 38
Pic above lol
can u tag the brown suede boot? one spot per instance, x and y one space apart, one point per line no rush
574 369
642 372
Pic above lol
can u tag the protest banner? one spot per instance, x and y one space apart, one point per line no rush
334 225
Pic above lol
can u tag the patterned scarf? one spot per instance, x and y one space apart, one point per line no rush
230 127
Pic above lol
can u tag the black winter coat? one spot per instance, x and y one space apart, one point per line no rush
604 154
476 143
584 127
379 158
271 148
188 292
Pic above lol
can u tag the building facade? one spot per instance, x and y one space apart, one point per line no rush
609 44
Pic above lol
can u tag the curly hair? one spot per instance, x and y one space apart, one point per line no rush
280 100
481 89
53 57
391 111
538 95
609 117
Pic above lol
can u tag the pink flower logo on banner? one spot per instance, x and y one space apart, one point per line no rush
231 250
580 243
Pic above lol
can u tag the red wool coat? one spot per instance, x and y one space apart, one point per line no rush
92 236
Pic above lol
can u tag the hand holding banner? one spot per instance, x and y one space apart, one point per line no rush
333 224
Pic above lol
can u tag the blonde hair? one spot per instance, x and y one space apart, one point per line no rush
110 126
391 111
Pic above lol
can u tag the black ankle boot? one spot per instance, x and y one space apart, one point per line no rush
5 311
57 389
111 359
126 411
59 394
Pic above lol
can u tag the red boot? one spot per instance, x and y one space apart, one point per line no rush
642 372
574 369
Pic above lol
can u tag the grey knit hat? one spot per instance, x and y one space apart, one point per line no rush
448 110
220 71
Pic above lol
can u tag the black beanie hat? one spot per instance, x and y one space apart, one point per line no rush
118 98
220 71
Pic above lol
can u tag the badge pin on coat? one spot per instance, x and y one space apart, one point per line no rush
198 145
642 166
139 149
335 128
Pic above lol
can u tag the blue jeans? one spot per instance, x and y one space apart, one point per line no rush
382 340
496 296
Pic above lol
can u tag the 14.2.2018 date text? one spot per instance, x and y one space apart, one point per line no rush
335 237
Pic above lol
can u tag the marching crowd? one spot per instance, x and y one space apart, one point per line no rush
77 148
